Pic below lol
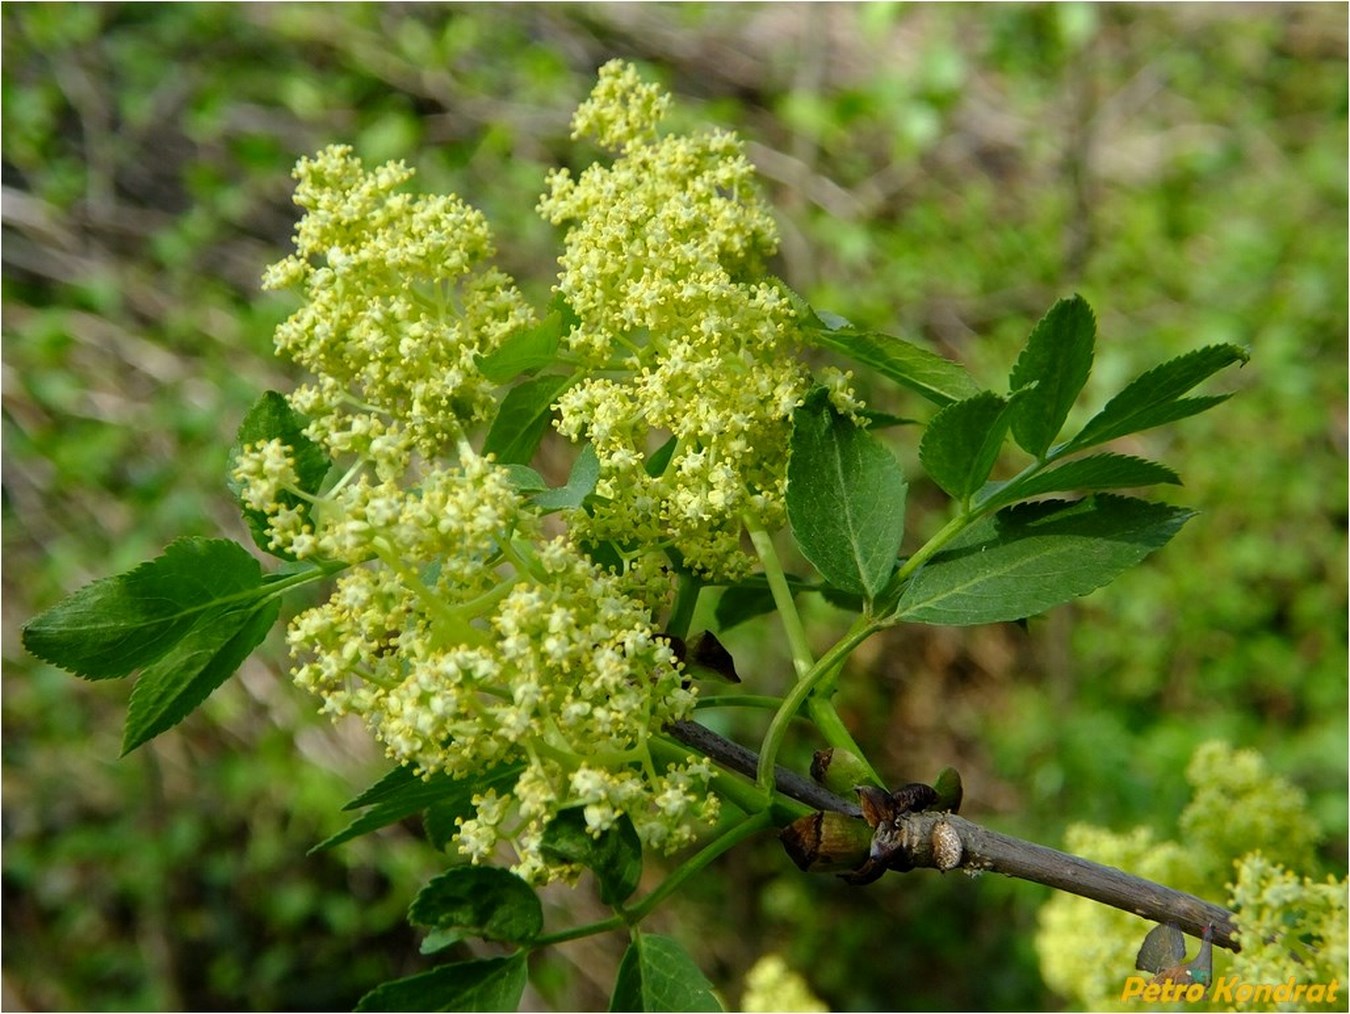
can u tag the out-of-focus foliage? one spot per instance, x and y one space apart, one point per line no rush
941 172
1246 835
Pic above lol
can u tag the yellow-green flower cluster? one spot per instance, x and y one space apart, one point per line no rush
1242 829
464 639
399 300
681 335
772 985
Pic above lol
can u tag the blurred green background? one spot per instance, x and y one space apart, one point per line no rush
943 173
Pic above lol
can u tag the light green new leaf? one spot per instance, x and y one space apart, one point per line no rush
172 686
581 482
1154 397
845 499
522 418
961 443
615 856
480 901
531 348
657 975
1025 559
114 626
486 984
1097 471
1056 362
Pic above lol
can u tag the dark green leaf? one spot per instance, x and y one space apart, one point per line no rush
884 420
486 984
1025 559
530 349
1154 397
1098 471
522 418
745 601
1056 360
400 794
580 484
479 901
845 499
615 856
272 418
657 461
962 442
114 626
171 687
657 975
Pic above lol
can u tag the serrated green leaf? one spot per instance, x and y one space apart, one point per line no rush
939 380
400 794
1154 397
1097 471
581 482
961 443
1056 361
272 418
117 625
656 974
1025 559
845 500
532 348
615 856
171 687
480 901
522 419
486 984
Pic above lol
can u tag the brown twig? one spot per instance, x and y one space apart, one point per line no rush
985 850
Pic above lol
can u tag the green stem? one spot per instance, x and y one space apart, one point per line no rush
802 659
603 926
773 738
682 612
763 701
733 836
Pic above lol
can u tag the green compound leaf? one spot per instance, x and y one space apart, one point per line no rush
272 417
488 984
845 499
117 625
656 974
1025 559
1051 371
479 901
522 419
580 484
615 856
401 793
1154 397
532 348
962 442
1097 471
170 688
